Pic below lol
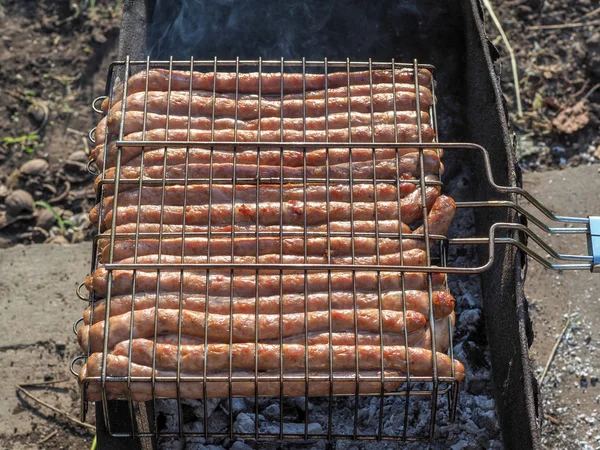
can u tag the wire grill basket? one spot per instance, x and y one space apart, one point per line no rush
223 192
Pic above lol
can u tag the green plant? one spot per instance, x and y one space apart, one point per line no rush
27 142
62 223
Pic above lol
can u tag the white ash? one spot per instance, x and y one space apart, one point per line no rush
475 424
573 366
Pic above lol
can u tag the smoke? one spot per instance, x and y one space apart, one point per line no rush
285 28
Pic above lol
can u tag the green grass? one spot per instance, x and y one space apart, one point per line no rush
62 224
27 142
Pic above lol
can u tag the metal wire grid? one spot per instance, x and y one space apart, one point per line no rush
413 386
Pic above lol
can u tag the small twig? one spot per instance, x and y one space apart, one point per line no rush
513 60
560 26
555 348
583 88
16 219
590 14
552 419
590 92
42 231
47 438
45 383
73 131
56 410
62 195
86 145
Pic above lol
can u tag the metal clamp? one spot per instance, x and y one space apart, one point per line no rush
97 100
92 135
90 165
75 361
594 243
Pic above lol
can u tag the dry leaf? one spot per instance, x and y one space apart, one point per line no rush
573 118
538 101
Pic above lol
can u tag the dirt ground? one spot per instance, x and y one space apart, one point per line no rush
54 57
571 387
557 49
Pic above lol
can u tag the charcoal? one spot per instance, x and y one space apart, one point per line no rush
240 445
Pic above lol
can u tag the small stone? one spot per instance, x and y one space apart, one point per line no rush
194 427
194 446
470 318
524 10
211 404
12 180
19 202
5 242
78 156
460 445
78 236
240 445
38 112
172 444
57 240
238 405
485 419
244 423
272 411
76 164
81 220
300 403
35 167
45 219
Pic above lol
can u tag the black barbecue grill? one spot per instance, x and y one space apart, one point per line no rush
482 142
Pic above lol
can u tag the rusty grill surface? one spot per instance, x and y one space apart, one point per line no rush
413 388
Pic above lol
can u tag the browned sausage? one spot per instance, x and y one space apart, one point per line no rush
245 285
443 303
294 357
292 157
158 80
134 122
219 193
244 326
378 133
142 390
313 246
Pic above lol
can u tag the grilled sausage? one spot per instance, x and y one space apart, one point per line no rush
315 246
293 213
244 326
134 122
377 133
159 79
292 157
219 193
243 357
118 366
173 196
385 170
440 217
443 303
245 285
360 226
143 390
